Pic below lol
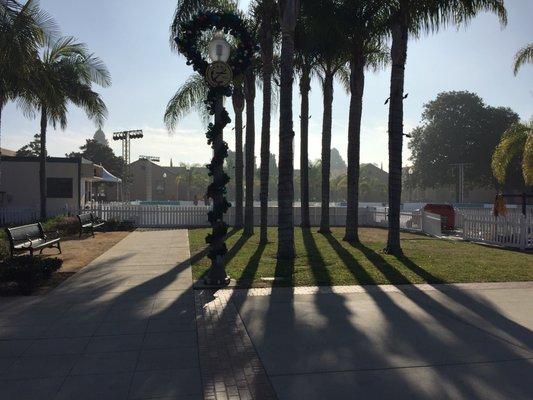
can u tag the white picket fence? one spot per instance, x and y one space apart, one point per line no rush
512 230
143 215
18 215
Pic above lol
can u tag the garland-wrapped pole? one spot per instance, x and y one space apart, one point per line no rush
216 191
218 75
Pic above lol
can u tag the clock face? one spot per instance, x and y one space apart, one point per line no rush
218 74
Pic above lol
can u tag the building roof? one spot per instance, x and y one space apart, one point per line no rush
7 152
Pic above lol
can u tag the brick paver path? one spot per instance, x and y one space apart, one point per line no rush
231 368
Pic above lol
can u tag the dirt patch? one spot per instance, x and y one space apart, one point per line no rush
78 253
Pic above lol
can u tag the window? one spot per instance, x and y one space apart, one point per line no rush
59 188
160 186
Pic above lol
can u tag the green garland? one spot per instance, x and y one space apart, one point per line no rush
239 61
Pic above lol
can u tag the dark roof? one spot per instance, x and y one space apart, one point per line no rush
69 160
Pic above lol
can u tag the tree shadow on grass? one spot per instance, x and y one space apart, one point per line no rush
318 265
250 270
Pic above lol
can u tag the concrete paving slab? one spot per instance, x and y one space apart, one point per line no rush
505 313
100 363
332 332
103 344
88 337
487 381
31 389
95 387
169 383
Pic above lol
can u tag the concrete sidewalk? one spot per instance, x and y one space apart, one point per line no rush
407 342
121 328
129 326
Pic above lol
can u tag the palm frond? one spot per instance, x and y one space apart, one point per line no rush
527 160
511 145
523 56
186 9
189 96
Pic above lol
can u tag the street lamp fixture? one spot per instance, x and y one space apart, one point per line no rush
219 49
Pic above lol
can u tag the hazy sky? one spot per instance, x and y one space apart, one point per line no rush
133 41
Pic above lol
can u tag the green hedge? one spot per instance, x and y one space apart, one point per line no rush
27 271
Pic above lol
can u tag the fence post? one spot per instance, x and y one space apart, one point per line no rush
523 232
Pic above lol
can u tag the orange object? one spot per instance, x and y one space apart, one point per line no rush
499 207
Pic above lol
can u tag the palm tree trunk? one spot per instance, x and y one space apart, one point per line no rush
399 57
238 107
42 163
288 14
266 55
305 87
249 90
326 151
357 84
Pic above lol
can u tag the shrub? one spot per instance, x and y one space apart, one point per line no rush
62 223
27 271
114 224
68 225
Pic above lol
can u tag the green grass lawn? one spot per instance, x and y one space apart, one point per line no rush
327 260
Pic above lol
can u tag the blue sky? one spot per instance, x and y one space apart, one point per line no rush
133 41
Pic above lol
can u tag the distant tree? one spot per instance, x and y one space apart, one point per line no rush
458 127
101 154
32 149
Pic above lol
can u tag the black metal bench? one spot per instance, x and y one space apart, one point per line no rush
89 222
30 238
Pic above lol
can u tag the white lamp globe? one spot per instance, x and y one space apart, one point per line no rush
219 48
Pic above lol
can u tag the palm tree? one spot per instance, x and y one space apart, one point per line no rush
190 95
237 98
364 22
264 11
65 74
305 64
288 15
23 28
523 56
249 153
330 60
517 141
413 16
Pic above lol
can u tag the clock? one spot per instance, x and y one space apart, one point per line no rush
218 74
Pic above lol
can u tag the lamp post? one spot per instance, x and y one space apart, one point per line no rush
218 74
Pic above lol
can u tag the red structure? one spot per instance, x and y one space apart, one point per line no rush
446 211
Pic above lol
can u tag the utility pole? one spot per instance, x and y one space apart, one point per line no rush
461 188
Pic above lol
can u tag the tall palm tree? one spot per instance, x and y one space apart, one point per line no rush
523 56
517 141
364 22
66 74
330 60
305 64
413 16
289 10
249 153
23 28
305 88
264 11
238 107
